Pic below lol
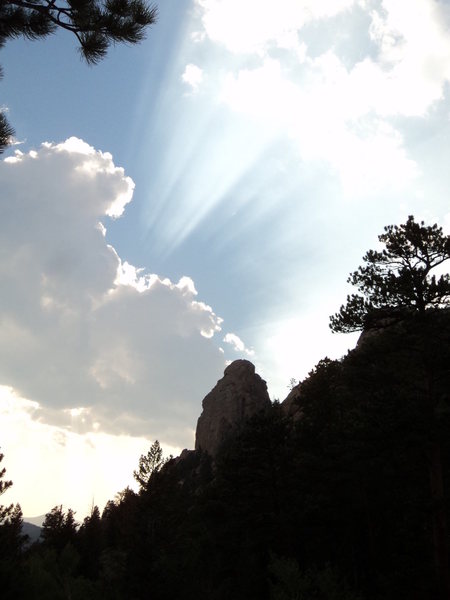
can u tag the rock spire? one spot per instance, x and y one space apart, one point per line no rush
239 395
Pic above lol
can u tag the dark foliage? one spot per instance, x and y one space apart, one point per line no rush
150 463
6 132
96 24
397 281
349 502
59 528
11 542
339 505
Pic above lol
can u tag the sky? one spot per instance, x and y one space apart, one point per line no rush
194 199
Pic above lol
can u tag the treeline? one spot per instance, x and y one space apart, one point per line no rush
344 502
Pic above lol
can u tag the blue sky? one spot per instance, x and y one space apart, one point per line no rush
240 160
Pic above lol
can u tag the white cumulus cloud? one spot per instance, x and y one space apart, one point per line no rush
337 109
237 344
249 26
326 120
193 76
414 56
97 342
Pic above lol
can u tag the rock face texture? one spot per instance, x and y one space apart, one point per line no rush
239 395
290 406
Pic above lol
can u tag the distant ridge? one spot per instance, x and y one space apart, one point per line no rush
35 520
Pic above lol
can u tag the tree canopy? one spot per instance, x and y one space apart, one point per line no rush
95 23
11 537
59 527
149 463
4 485
5 511
399 278
347 502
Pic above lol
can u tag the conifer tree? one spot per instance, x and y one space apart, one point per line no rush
148 464
11 521
5 511
59 528
398 279
395 284
4 485
95 23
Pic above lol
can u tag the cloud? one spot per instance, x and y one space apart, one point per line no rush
193 76
326 120
237 344
98 343
250 26
336 110
50 465
413 63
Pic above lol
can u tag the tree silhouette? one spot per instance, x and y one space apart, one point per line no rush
4 485
148 464
397 285
6 132
59 528
11 542
96 25
398 279
5 511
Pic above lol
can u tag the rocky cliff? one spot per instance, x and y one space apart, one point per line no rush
290 405
239 395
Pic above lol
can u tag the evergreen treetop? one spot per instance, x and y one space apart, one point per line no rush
95 23
397 279
149 463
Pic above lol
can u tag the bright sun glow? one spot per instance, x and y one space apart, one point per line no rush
65 479
332 112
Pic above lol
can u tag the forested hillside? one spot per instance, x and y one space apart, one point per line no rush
345 502
344 496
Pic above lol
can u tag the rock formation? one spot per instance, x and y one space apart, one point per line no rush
239 395
290 405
